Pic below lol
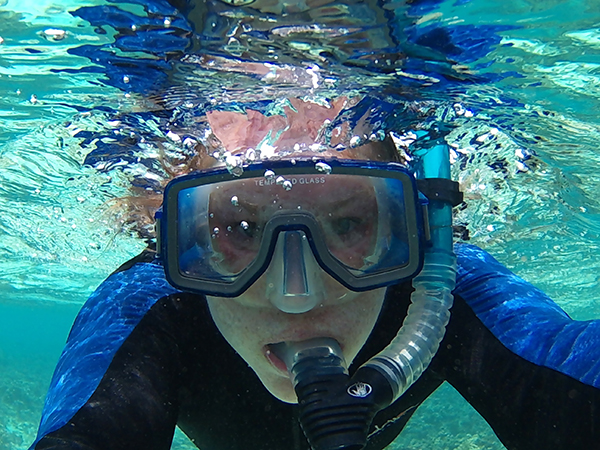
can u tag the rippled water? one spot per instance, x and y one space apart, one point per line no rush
88 89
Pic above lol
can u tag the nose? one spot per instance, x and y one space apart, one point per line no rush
294 278
294 269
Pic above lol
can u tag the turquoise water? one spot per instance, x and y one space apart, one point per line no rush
524 139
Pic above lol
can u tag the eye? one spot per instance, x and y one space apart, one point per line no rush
345 225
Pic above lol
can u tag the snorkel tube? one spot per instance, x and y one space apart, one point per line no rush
403 361
336 411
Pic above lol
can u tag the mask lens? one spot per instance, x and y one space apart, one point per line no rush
362 226
218 235
222 224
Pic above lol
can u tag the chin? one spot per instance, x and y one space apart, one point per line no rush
281 388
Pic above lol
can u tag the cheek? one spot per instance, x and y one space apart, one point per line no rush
357 318
236 327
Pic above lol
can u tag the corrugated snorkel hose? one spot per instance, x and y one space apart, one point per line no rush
403 361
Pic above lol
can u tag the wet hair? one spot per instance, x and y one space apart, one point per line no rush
135 212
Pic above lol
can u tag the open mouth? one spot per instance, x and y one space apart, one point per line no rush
284 355
271 354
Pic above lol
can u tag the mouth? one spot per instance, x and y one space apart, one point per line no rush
282 355
275 361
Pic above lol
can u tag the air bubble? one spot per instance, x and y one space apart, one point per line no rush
287 185
216 230
355 141
323 168
173 136
234 165
250 155
167 22
269 174
244 225
189 142
54 34
230 228
235 201
280 180
125 79
317 147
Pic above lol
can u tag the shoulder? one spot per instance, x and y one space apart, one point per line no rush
124 297
525 319
102 326
482 281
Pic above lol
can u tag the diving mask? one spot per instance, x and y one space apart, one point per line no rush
362 223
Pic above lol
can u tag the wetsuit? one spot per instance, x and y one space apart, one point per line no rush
143 357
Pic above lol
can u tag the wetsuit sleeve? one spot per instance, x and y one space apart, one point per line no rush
101 396
530 370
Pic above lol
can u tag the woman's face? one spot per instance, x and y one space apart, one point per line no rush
251 322
347 212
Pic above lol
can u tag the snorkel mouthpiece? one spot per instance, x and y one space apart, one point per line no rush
336 411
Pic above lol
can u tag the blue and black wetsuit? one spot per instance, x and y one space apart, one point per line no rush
143 357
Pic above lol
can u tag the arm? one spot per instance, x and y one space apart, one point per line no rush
531 371
115 385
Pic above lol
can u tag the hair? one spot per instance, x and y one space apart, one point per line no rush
232 134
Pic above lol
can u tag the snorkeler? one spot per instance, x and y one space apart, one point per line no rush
299 300
301 295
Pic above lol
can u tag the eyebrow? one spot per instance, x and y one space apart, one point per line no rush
345 202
